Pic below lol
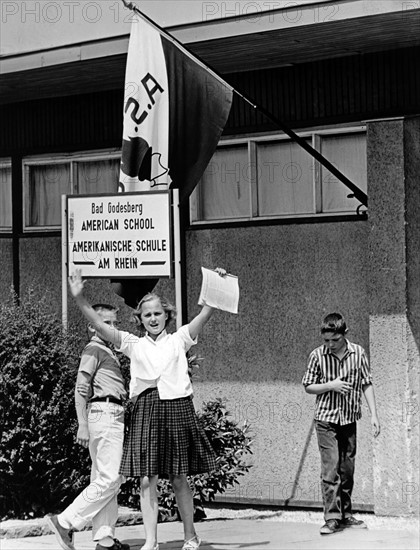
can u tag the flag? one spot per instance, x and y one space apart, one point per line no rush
175 110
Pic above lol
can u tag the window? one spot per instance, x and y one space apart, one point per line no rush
272 176
46 179
284 177
225 189
348 154
5 195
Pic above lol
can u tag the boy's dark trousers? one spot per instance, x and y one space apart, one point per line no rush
337 445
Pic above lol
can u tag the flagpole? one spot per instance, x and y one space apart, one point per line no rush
64 256
177 257
356 191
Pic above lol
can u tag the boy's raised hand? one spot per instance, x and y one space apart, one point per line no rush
341 386
76 283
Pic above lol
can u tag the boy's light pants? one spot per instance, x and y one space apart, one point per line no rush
98 501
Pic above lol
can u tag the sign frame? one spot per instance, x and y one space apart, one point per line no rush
168 273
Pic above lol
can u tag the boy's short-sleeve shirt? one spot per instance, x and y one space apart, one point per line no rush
99 362
323 367
160 363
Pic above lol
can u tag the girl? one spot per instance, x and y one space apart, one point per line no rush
164 435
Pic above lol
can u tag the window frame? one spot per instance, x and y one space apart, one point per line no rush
6 162
62 158
252 140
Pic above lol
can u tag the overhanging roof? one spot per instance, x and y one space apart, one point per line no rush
277 38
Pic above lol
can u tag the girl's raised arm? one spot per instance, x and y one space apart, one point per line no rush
104 331
197 324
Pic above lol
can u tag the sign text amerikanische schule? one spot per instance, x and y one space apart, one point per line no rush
126 235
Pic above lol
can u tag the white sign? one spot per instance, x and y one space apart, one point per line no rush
126 235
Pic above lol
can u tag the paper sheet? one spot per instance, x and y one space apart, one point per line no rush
219 292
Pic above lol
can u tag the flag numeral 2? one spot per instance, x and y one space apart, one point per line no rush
150 90
135 110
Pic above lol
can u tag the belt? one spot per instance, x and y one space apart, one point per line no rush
108 399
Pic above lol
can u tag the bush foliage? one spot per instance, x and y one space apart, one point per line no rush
42 468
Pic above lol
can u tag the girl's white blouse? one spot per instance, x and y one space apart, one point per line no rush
161 362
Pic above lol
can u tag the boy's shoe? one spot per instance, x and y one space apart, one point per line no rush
64 536
192 544
116 546
330 526
353 523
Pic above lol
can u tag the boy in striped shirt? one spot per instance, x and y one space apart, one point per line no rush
338 372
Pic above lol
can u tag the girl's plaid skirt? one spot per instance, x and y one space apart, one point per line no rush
164 438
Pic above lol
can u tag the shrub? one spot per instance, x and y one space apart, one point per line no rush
231 444
41 467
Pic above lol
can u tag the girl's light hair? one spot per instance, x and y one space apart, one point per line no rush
166 305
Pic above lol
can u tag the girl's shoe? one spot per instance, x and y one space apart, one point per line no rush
192 544
155 547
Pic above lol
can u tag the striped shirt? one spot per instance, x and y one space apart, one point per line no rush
324 366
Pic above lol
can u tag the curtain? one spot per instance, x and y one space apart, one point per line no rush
225 186
43 197
98 177
285 182
348 154
5 196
